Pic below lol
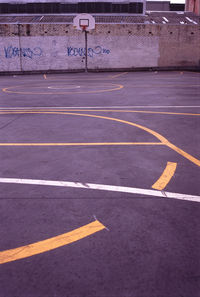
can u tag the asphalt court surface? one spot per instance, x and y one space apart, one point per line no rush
100 185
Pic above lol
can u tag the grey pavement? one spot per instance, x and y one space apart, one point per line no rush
151 246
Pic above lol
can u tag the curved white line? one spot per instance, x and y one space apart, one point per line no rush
90 186
66 87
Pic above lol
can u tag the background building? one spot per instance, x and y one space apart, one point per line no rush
164 6
73 6
193 6
136 7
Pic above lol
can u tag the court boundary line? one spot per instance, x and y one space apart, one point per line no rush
92 186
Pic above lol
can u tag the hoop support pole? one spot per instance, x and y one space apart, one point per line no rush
86 52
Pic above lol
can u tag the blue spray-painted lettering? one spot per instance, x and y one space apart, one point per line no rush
97 50
12 52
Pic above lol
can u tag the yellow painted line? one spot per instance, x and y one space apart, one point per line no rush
45 77
183 153
157 135
51 243
114 87
162 139
103 110
79 143
117 75
166 176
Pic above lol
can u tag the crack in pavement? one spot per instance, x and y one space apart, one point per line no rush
11 121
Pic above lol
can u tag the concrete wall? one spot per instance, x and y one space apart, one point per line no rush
60 47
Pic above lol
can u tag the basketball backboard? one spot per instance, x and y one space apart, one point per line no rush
84 21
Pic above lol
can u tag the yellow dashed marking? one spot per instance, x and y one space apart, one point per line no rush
166 176
117 75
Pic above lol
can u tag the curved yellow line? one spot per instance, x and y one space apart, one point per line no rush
51 243
166 176
157 135
132 111
116 88
154 133
104 110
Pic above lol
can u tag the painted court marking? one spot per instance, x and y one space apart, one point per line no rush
172 74
80 143
51 243
92 186
109 87
64 87
162 139
166 176
101 110
138 111
117 75
67 78
97 107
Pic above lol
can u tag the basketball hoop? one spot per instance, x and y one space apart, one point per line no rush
83 27
84 22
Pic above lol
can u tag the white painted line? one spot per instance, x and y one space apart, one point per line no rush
64 87
90 186
96 107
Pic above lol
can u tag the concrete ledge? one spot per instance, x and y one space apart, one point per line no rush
166 68
169 68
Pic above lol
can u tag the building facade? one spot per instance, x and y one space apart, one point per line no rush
73 6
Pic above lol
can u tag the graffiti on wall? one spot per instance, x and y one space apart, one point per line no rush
80 51
27 52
